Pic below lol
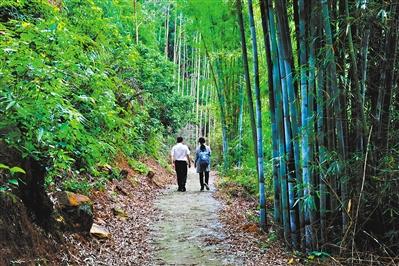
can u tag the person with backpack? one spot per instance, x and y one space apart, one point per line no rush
180 156
202 163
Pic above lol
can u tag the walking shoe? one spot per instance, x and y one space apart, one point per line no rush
183 189
207 186
202 188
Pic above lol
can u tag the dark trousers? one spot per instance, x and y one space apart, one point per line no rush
201 177
181 172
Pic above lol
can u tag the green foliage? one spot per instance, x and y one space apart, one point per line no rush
77 185
245 177
74 88
139 166
8 176
216 21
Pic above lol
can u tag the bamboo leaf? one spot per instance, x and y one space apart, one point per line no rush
349 206
3 166
13 182
10 104
17 169
40 134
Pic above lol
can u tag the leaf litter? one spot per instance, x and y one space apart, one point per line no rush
132 241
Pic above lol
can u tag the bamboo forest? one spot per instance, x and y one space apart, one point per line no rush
112 113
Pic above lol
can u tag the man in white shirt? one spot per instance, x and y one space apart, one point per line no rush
181 158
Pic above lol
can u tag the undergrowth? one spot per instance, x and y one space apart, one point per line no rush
75 89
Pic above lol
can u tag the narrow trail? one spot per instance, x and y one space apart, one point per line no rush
166 227
188 231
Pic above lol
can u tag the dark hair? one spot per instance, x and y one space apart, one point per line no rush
179 139
201 140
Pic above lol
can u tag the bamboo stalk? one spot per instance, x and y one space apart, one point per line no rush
246 75
167 31
291 125
136 25
336 94
240 123
272 106
259 133
179 68
175 40
183 83
312 116
222 107
280 120
306 177
360 117
197 96
320 103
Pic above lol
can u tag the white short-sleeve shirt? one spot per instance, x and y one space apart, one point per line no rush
179 152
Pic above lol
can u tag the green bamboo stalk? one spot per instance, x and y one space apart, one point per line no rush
336 95
259 133
167 31
291 126
197 89
387 79
364 63
306 113
185 62
312 114
361 124
246 75
240 123
320 103
221 100
272 106
178 62
279 121
175 39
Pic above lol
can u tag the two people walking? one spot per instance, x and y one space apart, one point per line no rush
180 155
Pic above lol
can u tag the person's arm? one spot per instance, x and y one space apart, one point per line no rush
188 158
172 158
196 158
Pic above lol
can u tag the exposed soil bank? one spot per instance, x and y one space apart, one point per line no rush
21 241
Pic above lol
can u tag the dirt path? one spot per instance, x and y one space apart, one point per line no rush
166 227
188 230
